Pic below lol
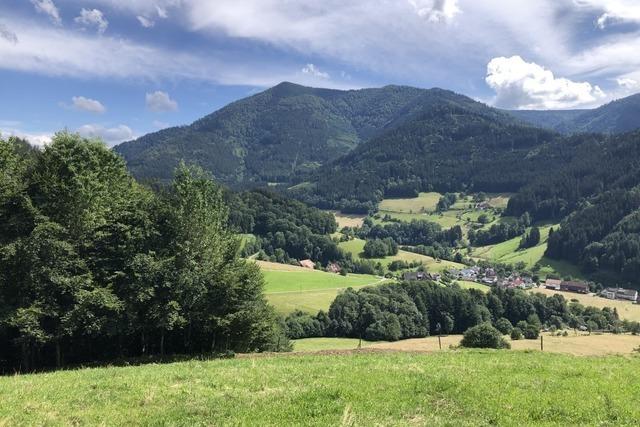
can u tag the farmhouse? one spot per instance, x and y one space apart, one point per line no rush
620 293
333 268
307 263
553 284
578 287
410 276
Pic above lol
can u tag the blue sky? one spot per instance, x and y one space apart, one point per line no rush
118 69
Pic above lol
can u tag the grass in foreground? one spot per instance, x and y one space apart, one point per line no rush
448 388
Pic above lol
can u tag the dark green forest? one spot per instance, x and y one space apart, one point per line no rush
94 266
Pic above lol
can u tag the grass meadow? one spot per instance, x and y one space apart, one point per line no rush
469 388
291 288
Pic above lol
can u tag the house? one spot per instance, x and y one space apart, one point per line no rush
627 294
620 293
307 263
578 287
411 276
482 206
552 284
333 268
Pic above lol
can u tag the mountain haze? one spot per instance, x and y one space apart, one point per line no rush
622 115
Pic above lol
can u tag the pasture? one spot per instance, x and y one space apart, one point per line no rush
368 387
356 246
291 288
580 344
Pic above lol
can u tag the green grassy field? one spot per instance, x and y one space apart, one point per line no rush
319 344
356 246
425 202
447 388
293 288
508 253
465 284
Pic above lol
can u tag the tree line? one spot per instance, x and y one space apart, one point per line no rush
419 309
94 266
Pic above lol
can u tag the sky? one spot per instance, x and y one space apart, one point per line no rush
118 69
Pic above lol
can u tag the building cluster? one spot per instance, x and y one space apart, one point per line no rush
567 286
488 276
620 293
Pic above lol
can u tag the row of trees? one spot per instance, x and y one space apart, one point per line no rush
418 309
94 266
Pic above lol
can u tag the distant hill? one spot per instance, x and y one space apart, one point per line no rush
270 136
619 116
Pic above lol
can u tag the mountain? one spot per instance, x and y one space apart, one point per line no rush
622 115
270 136
446 146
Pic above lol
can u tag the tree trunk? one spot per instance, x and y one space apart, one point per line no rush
162 343
213 343
58 354
143 343
24 349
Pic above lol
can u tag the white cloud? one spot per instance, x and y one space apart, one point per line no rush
87 104
160 102
34 138
162 12
527 85
48 8
314 71
612 11
145 22
92 18
436 10
628 83
110 136
7 34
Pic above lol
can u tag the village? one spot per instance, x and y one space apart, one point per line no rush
488 276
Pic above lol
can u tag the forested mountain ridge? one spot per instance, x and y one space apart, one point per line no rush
619 116
284 130
445 147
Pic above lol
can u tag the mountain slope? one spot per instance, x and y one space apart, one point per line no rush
271 135
619 116
446 146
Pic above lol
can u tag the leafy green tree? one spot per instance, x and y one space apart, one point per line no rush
484 336
504 326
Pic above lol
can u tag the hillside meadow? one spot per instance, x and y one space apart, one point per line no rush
369 387
575 344
290 288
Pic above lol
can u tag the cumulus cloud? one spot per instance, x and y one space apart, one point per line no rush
145 22
47 7
92 18
612 11
110 136
526 85
314 71
87 104
7 34
436 10
628 83
159 101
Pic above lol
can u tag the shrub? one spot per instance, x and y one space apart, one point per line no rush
516 334
484 336
531 332
504 326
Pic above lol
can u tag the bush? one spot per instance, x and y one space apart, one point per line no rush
516 334
484 336
531 332
504 326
